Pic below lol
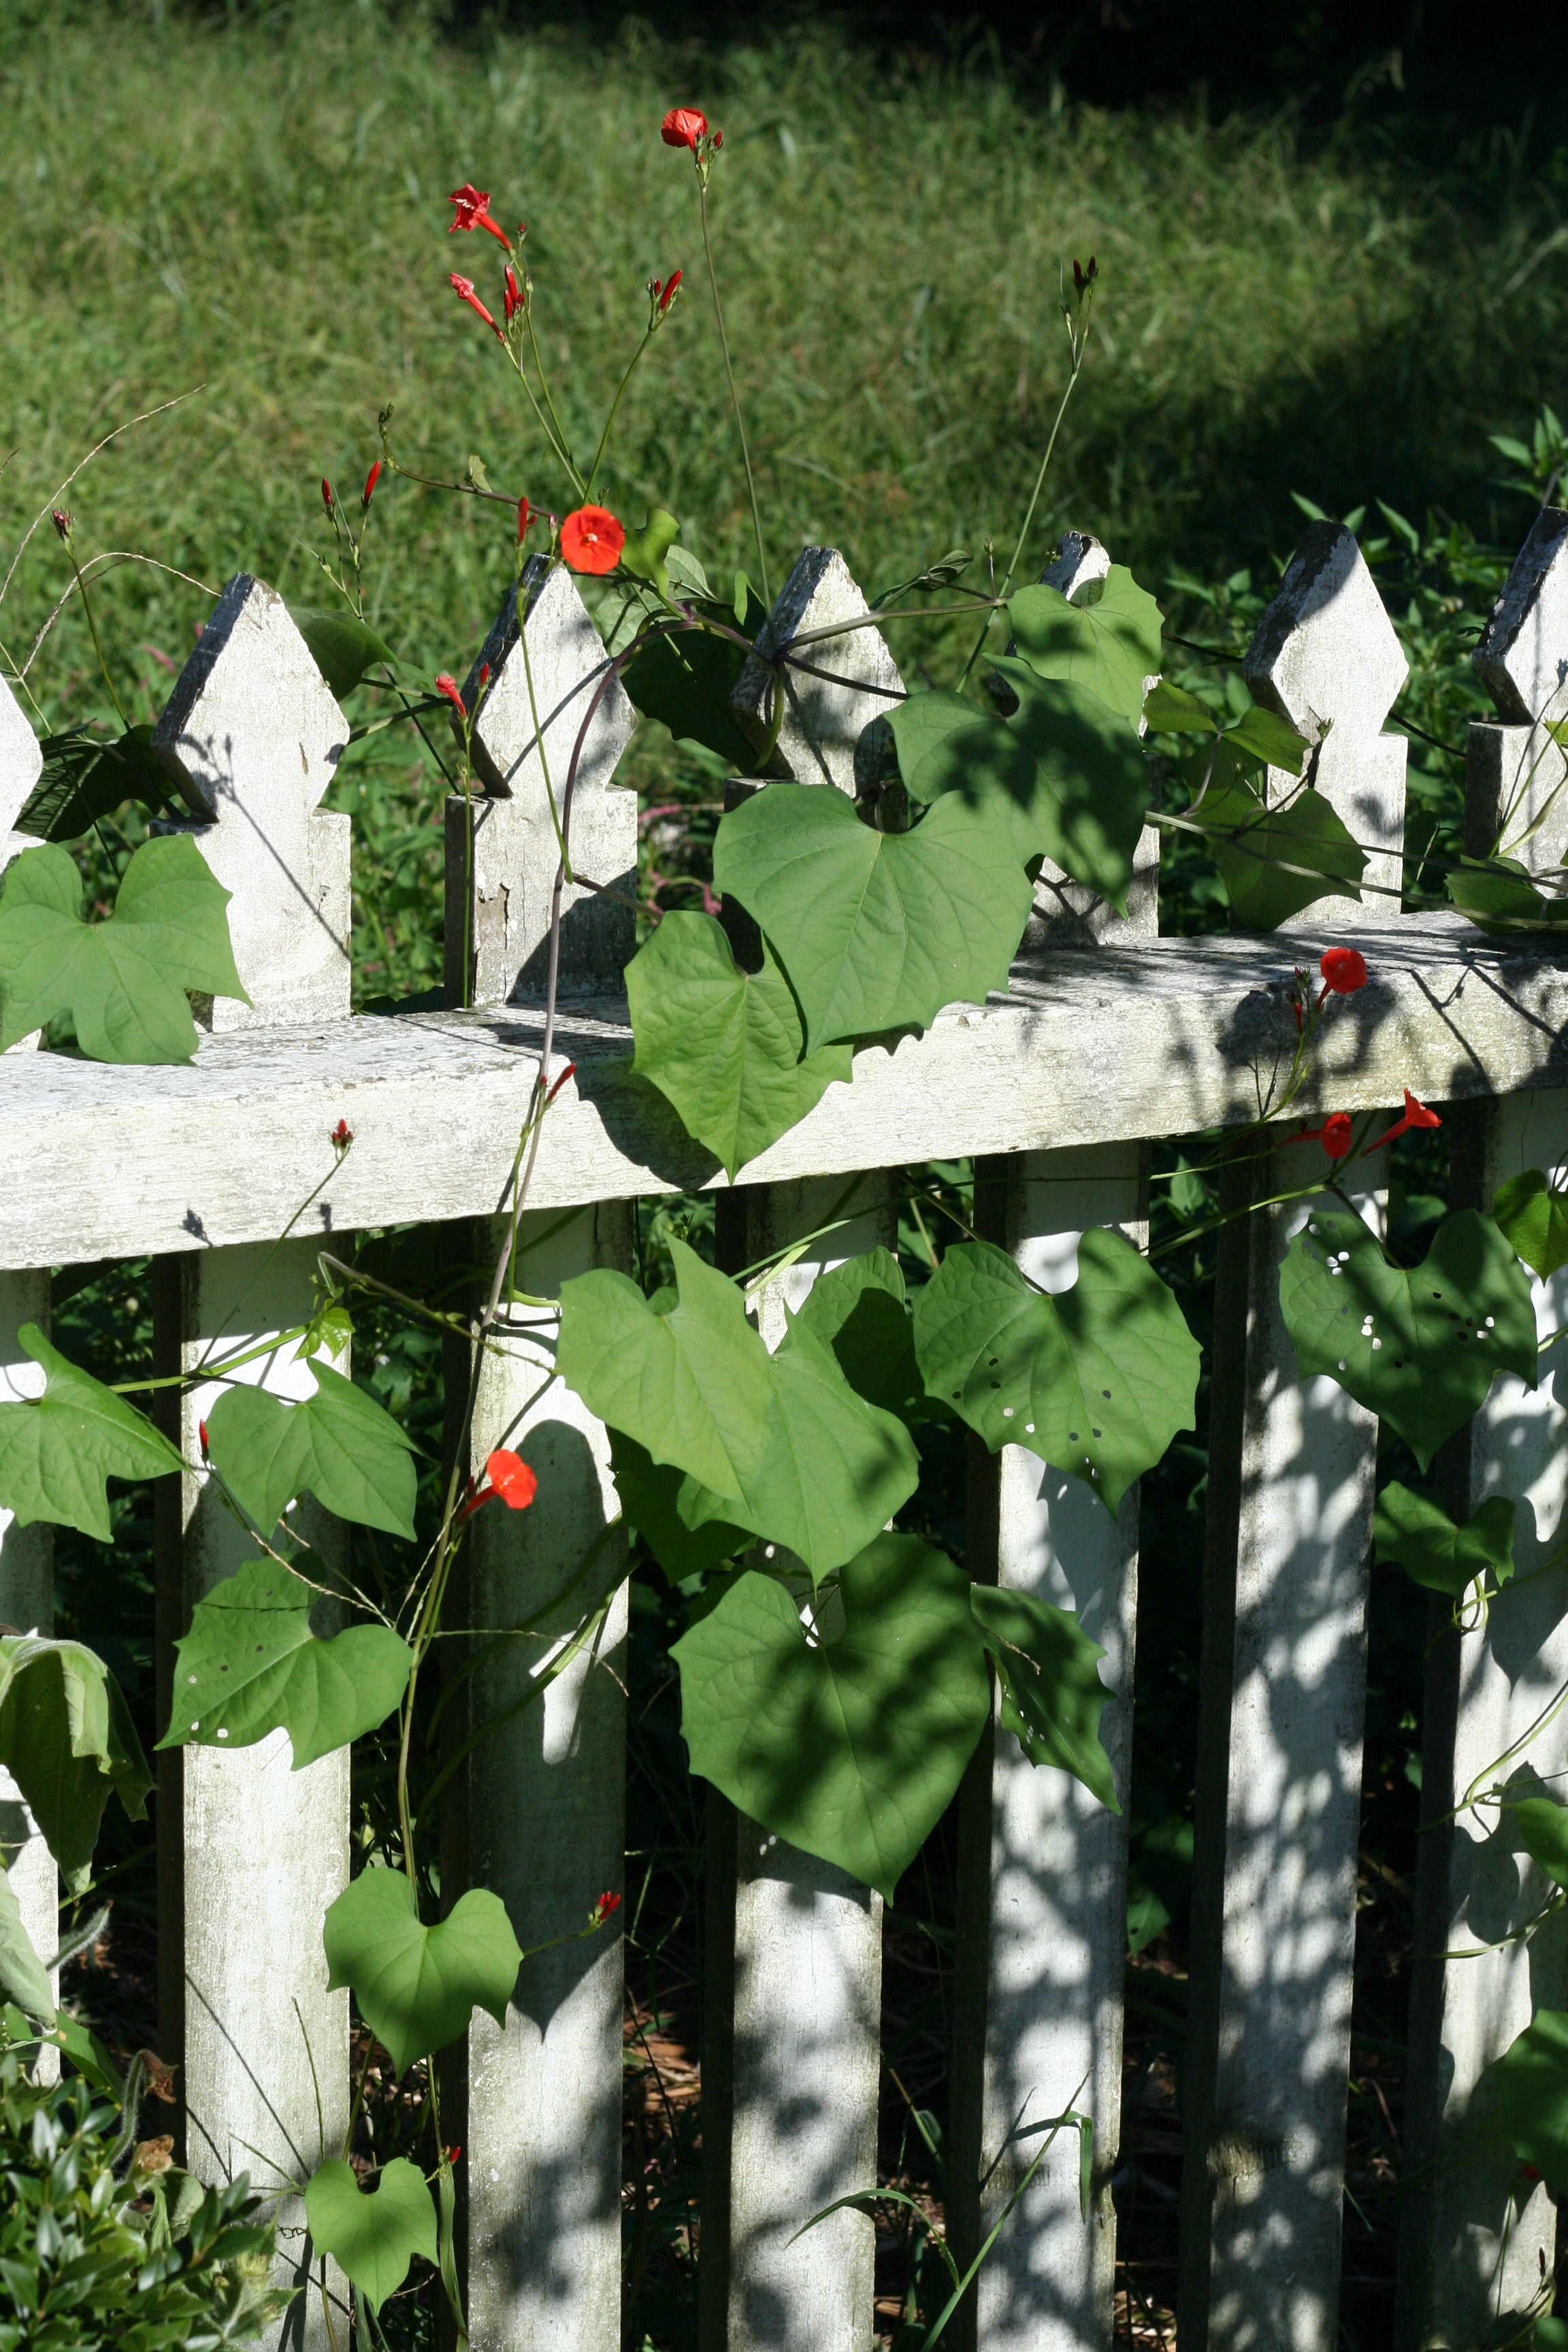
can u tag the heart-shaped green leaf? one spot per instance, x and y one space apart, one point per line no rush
1533 1220
343 646
341 1445
1106 639
1524 2097
1276 859
1096 1379
1415 1532
122 980
1542 1827
692 1385
251 1664
85 777
1503 900
850 1747
418 1987
1422 1349
67 1739
649 1492
373 2233
876 930
56 1450
722 1045
1066 770
833 1470
1052 1696
859 1309
23 1976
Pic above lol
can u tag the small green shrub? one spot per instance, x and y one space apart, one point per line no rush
104 2244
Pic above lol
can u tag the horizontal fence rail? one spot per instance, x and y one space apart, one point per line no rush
1107 1037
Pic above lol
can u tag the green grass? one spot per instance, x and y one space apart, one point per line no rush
258 209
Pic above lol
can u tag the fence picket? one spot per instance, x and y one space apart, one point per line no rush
1042 1908
250 1852
539 2114
27 1554
1474 2235
1282 1679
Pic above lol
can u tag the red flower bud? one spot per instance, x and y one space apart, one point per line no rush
683 126
601 1909
201 1438
524 517
668 296
570 1071
341 1136
371 480
513 294
1343 972
62 523
326 494
591 539
1084 278
447 685
512 1479
472 210
484 676
463 289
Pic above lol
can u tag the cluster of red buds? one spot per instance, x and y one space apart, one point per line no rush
600 1911
661 293
341 1136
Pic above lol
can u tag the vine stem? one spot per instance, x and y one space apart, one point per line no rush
1079 352
734 396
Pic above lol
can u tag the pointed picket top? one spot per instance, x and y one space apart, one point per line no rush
21 764
1522 656
536 700
251 738
547 686
822 716
1325 654
1326 660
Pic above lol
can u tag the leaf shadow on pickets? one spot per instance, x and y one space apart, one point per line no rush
644 1127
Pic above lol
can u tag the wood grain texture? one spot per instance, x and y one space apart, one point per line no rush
97 1161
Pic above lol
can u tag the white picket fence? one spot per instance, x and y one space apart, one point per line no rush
1107 1036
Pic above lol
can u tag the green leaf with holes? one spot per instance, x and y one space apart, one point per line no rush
1105 639
691 1383
251 1665
1533 1220
418 1987
339 1445
722 1045
1542 1827
123 982
1419 1348
1096 1379
876 930
852 1745
375 2233
1052 1696
1415 1532
57 1450
68 1741
1523 2097
859 1309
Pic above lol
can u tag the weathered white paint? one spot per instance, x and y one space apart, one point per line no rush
1067 913
1085 1048
544 677
546 1810
808 1967
266 1848
1326 658
1473 2236
26 1606
823 715
1051 2030
1284 1672
252 736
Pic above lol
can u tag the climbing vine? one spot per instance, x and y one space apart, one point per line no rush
835 1673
